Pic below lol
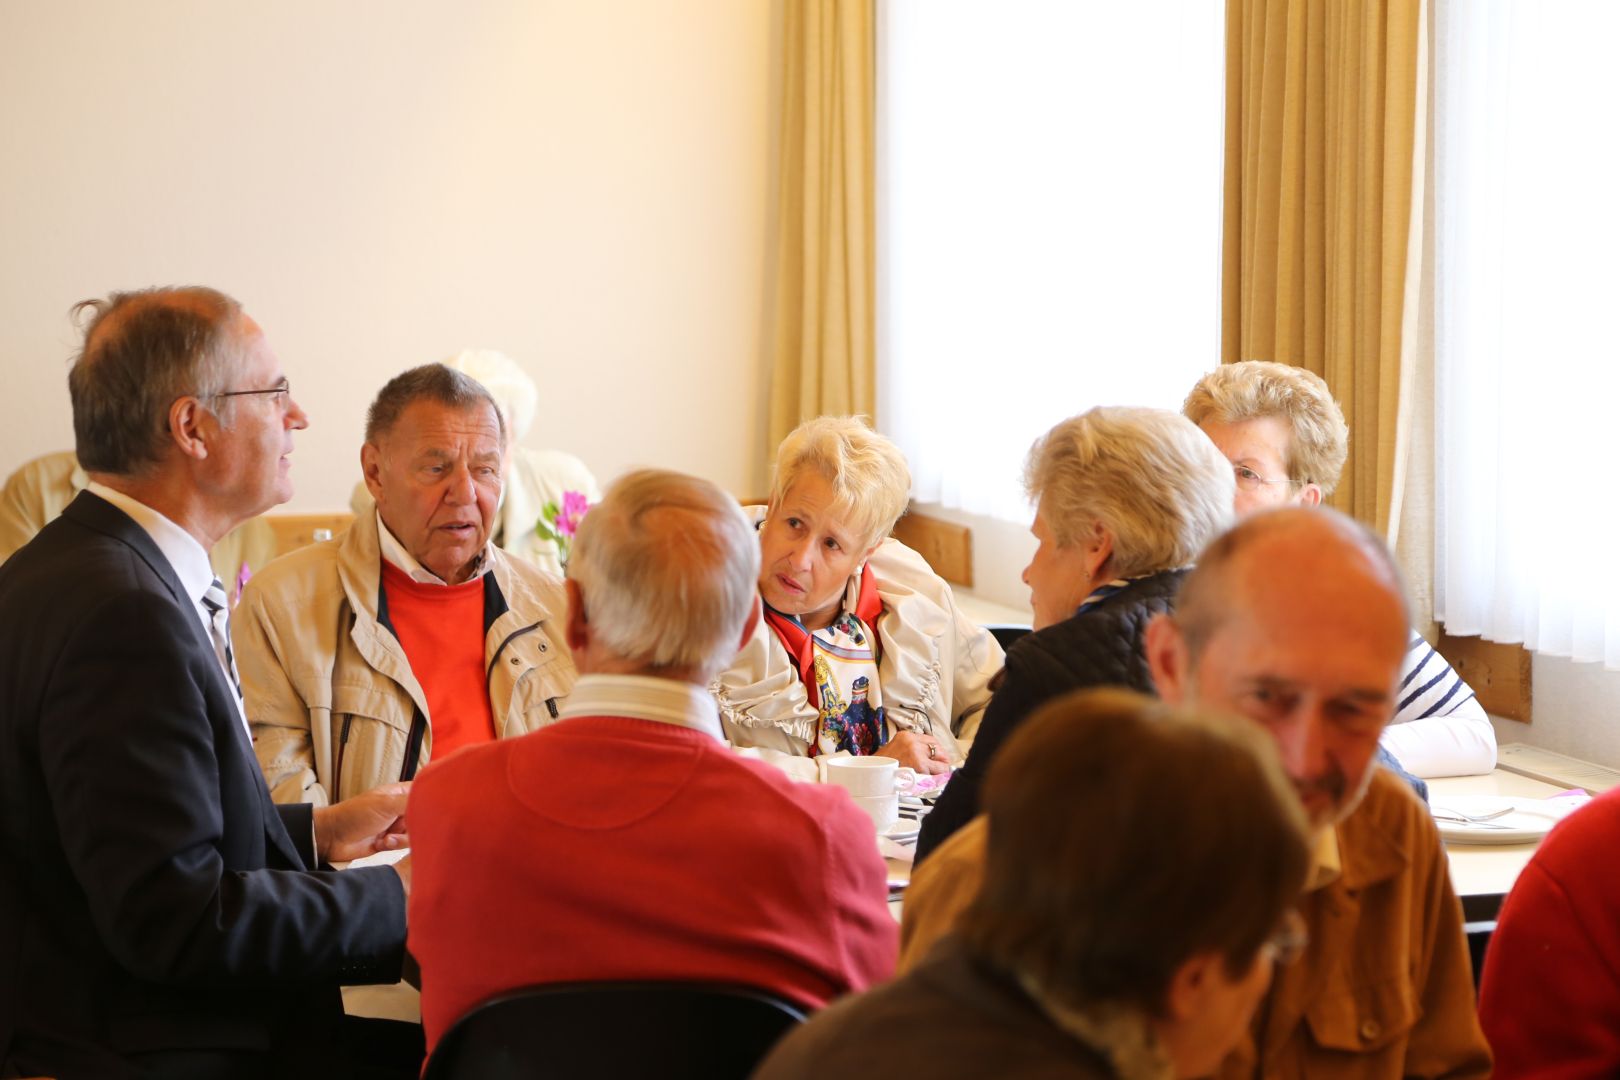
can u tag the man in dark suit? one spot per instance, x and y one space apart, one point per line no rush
159 916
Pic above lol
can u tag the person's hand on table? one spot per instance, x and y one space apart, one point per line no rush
363 824
920 752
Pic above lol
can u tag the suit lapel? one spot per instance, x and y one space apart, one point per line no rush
96 513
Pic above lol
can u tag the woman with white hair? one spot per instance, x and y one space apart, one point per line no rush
862 649
1125 499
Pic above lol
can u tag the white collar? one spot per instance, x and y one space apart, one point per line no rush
1326 864
188 557
395 553
644 697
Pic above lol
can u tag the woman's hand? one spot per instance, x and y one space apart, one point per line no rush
920 752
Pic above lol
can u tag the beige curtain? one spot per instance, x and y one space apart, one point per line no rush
1322 129
823 315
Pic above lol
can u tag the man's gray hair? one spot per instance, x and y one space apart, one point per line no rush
142 351
430 382
669 570
1147 475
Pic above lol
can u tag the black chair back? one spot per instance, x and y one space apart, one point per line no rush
575 1030
1006 633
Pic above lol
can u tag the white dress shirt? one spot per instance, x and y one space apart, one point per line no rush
395 553
645 697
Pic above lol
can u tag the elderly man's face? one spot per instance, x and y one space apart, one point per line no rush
251 469
436 477
1311 648
807 553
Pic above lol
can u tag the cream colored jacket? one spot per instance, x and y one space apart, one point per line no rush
934 670
328 689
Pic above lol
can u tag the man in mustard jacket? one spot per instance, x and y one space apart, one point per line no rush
1297 620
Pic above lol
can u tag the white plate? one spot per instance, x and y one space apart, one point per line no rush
903 829
1528 821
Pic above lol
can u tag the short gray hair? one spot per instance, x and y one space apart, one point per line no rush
868 475
430 382
1148 476
669 569
143 351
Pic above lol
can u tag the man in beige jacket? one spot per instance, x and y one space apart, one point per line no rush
1296 619
410 635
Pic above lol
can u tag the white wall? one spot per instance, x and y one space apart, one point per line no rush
1575 710
585 186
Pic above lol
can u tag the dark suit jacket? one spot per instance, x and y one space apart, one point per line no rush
152 897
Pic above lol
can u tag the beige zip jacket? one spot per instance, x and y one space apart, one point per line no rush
935 670
328 690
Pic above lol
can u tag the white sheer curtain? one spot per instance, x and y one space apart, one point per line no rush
1527 365
1049 181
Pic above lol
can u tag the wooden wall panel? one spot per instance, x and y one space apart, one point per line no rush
293 531
1499 674
947 547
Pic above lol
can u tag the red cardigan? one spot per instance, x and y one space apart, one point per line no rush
1550 996
608 848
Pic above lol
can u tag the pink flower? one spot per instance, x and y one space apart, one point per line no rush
573 509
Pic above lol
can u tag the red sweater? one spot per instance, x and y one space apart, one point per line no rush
1550 997
441 628
607 848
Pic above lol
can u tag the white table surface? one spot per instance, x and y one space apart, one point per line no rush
1478 870
1482 872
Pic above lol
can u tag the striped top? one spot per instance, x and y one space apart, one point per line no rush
1439 728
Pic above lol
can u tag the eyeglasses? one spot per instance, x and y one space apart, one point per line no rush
283 389
1287 943
1249 480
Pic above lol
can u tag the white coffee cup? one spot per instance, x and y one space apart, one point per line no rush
884 810
864 776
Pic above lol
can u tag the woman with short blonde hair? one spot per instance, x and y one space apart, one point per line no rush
862 649
1125 498
1315 439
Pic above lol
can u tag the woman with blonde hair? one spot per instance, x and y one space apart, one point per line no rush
862 649
1125 499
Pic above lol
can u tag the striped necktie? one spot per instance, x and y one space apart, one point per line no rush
219 626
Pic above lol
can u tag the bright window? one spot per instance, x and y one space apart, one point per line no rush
1527 365
1049 184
